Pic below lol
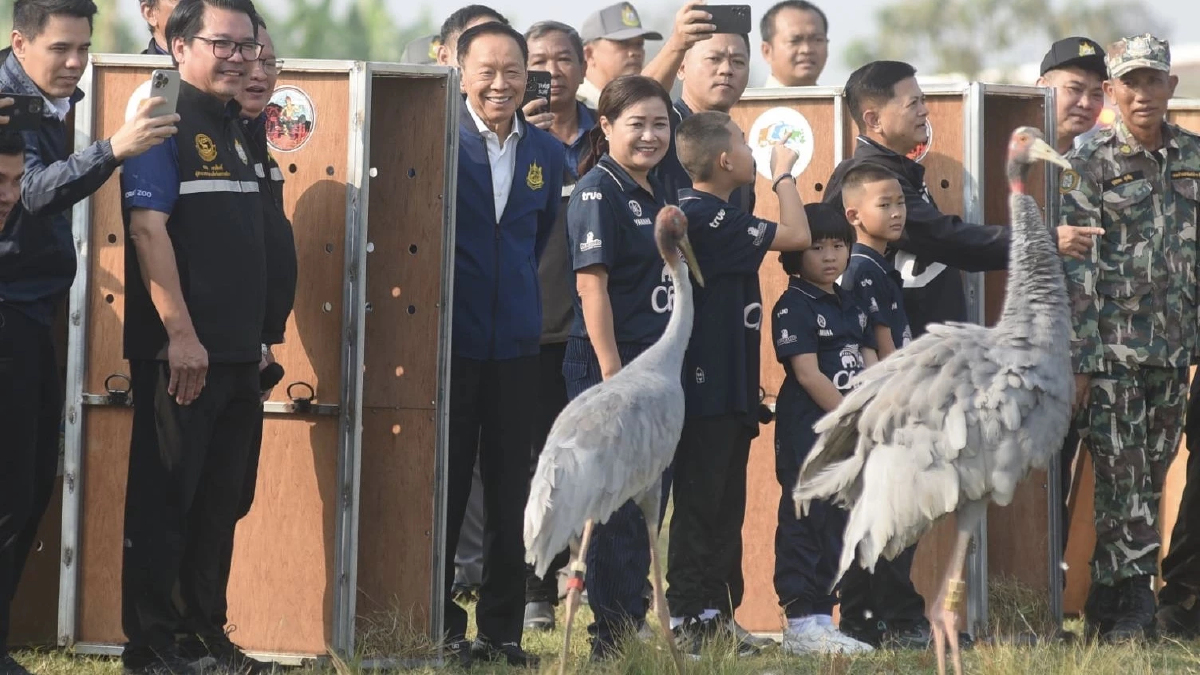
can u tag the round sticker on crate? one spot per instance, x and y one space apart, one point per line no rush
781 125
918 153
291 119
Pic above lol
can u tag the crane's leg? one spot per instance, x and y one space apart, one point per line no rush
574 588
943 616
649 505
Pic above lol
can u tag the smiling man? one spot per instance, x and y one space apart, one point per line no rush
1074 67
795 43
195 279
1133 302
50 42
509 186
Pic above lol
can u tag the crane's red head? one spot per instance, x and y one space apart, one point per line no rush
670 233
1026 147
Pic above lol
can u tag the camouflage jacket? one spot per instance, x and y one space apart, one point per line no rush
1134 300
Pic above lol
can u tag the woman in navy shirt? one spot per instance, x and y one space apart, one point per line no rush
623 301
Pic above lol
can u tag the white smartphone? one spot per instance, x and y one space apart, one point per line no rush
164 83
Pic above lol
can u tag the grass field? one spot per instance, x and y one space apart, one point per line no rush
651 658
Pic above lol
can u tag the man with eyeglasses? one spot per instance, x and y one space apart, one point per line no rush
795 43
196 278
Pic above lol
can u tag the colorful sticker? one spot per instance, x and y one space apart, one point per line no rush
918 153
291 119
781 125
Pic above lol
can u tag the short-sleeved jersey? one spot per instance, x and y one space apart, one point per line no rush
610 222
878 288
721 370
674 178
1133 301
807 320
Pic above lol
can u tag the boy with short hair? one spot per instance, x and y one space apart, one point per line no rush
823 339
874 204
721 372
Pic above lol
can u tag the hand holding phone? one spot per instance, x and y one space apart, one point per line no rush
730 18
154 121
537 86
20 112
164 84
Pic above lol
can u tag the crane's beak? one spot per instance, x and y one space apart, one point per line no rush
1041 150
690 256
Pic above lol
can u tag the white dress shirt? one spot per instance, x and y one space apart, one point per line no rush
501 156
589 94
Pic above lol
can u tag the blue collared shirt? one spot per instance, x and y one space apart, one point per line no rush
576 148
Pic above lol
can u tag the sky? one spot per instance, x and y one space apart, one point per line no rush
848 19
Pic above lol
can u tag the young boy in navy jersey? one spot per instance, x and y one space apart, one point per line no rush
721 370
874 204
822 338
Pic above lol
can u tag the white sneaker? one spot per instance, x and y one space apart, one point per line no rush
816 638
744 635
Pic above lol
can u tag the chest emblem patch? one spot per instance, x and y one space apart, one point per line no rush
534 177
206 148
821 320
1068 181
635 208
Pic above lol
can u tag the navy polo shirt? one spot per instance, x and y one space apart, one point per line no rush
674 178
610 222
807 320
575 149
721 370
878 288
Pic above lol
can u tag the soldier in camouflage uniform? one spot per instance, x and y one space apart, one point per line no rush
1135 320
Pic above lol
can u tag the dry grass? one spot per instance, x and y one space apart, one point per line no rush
396 638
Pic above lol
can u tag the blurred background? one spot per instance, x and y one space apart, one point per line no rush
989 40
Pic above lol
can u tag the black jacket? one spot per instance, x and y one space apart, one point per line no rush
37 253
932 293
278 239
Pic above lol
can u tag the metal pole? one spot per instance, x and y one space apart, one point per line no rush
1054 496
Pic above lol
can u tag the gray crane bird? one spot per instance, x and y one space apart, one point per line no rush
613 442
956 418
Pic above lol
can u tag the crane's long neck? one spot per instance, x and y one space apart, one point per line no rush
1035 301
674 340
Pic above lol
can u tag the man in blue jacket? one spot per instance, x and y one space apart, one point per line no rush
37 262
509 186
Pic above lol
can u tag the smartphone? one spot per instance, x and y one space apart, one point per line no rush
537 85
730 18
24 113
164 83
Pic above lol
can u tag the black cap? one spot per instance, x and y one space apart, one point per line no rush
1076 51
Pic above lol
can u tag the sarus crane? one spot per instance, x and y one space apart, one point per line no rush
958 417
613 442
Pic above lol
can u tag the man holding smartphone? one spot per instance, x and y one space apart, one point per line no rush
49 49
195 306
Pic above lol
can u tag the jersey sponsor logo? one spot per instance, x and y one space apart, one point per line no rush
635 208
895 306
591 243
591 196
852 363
700 376
906 337
642 221
138 193
534 177
716 222
821 320
785 338
757 232
782 312
874 308
866 282
752 315
662 298
205 147
825 332
862 318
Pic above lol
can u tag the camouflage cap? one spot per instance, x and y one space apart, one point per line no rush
1141 51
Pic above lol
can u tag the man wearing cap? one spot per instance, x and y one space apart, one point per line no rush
1133 304
1074 68
614 44
422 51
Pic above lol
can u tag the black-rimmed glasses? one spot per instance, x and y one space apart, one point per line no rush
271 66
224 49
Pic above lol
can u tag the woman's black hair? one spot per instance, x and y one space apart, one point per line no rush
618 95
